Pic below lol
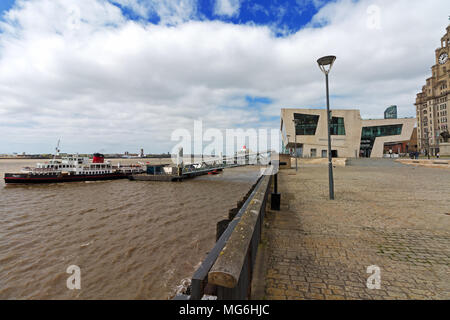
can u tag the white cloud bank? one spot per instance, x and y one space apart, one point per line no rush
227 8
78 69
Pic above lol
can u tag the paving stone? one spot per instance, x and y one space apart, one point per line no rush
391 217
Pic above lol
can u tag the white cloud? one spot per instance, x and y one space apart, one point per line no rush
170 12
79 69
139 7
173 12
227 8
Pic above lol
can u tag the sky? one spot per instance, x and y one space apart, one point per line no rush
120 75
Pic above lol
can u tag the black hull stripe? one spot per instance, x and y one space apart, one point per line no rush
62 179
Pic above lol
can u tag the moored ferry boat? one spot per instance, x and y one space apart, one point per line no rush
72 168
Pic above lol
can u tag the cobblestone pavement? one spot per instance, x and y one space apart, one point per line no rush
386 214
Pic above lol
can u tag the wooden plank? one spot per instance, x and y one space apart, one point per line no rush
227 268
202 272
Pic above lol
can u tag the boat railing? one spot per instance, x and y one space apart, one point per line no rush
37 170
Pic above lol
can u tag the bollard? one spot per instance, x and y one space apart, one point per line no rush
275 198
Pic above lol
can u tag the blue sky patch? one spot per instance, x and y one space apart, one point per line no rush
5 5
257 100
284 17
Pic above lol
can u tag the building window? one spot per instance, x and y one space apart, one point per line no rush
381 131
337 127
306 124
313 153
369 134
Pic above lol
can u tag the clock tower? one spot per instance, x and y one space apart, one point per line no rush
442 53
432 104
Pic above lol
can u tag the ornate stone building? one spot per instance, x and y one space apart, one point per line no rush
432 104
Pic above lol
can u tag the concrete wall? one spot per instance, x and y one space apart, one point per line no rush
444 148
285 158
346 146
407 130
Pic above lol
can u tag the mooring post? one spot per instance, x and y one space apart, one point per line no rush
275 187
275 198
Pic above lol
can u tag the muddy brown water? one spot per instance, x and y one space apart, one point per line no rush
131 239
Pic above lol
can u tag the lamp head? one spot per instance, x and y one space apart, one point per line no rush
325 63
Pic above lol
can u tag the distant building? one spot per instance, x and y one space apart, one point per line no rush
141 154
351 136
432 103
391 112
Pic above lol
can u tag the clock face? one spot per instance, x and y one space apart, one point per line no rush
443 58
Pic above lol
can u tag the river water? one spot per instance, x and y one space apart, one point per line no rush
131 239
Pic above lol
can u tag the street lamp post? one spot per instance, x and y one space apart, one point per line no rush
427 145
325 65
295 142
296 152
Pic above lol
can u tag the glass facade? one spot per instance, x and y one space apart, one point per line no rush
337 127
391 112
369 134
381 131
306 124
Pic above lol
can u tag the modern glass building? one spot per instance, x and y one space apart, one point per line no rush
391 112
305 133
369 135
